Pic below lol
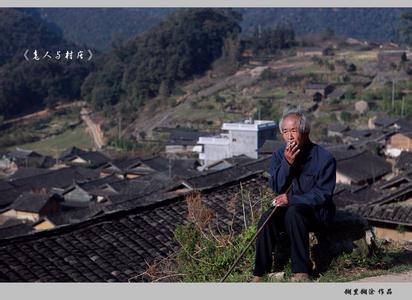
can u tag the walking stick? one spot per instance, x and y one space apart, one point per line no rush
251 241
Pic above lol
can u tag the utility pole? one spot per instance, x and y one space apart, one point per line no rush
393 95
403 106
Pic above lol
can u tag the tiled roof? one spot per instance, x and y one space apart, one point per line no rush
27 172
70 152
22 153
363 167
30 202
393 214
385 121
15 227
117 246
56 178
270 146
404 161
94 159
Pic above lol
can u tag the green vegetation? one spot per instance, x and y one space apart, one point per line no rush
33 85
405 28
40 128
51 146
183 46
206 253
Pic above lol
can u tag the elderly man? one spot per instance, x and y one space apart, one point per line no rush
303 175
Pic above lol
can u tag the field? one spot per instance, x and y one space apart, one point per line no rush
51 146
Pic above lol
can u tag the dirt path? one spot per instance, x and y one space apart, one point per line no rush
93 128
44 112
399 277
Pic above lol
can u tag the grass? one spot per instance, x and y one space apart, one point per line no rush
77 137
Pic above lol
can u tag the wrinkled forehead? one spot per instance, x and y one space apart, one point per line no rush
290 122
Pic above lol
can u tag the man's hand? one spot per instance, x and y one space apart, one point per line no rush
291 152
281 200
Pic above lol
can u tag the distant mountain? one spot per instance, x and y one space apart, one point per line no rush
377 24
100 27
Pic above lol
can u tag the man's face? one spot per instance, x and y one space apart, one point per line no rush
290 131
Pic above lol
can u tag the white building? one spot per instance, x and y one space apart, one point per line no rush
236 139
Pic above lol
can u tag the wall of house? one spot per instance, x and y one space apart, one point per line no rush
340 178
244 142
393 234
21 215
52 206
44 225
215 152
401 141
78 160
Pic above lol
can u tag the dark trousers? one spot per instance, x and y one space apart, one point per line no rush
294 220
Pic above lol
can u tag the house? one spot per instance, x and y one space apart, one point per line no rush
337 129
60 178
318 91
75 196
358 166
91 159
123 168
385 121
183 141
391 57
270 146
401 141
354 135
404 161
33 206
15 227
337 94
309 51
30 158
237 139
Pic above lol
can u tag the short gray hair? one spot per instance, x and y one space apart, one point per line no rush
304 125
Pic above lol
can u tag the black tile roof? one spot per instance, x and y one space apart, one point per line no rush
270 146
337 94
358 133
60 178
363 166
183 137
118 246
70 152
22 153
94 159
15 227
392 214
120 165
404 161
338 127
317 86
30 202
27 172
385 121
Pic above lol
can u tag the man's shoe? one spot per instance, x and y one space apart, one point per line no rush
300 277
276 276
257 279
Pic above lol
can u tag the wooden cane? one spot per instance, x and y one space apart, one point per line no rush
251 241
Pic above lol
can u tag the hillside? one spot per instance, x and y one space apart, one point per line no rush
28 86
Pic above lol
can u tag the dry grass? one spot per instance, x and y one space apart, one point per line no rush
197 212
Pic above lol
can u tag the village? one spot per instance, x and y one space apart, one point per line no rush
84 216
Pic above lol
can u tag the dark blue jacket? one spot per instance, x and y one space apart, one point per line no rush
313 178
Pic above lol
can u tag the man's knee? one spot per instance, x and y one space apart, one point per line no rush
296 212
